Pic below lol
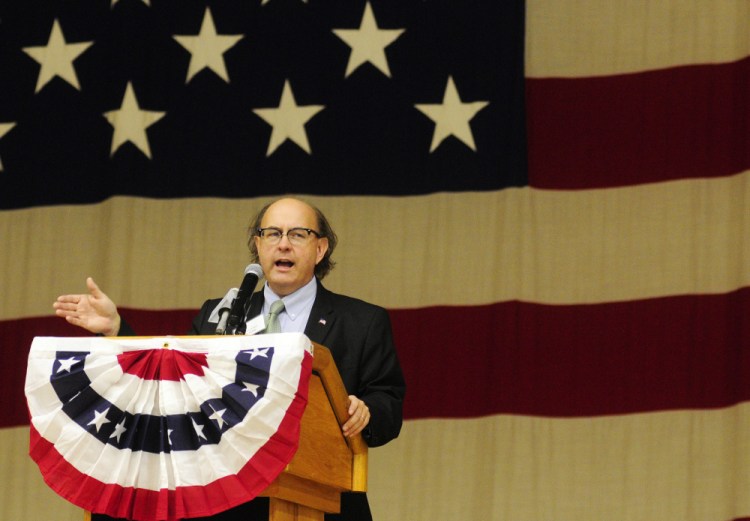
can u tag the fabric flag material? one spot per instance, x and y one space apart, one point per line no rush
247 99
550 198
165 428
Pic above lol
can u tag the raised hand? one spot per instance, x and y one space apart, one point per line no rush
94 311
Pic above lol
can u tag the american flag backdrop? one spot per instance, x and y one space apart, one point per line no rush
549 197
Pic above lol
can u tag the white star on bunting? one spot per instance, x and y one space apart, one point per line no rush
257 352
130 123
368 43
100 418
198 430
56 58
4 129
452 117
218 417
66 364
207 48
253 388
119 430
288 120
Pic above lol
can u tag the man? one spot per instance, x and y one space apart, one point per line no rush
293 242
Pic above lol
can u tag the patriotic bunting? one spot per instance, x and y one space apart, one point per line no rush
165 428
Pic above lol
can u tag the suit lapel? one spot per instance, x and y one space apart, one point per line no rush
255 306
322 316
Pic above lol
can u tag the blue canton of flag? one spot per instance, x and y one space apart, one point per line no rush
242 99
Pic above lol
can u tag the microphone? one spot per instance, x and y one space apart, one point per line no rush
221 327
222 311
236 321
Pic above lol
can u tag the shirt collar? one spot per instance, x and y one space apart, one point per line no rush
295 303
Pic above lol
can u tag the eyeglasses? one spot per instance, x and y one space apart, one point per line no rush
296 236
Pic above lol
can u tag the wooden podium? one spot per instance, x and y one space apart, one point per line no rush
326 463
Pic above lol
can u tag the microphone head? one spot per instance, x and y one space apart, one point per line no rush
255 269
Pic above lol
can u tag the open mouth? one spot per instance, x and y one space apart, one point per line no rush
283 263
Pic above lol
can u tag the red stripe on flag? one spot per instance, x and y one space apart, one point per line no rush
639 128
584 360
523 358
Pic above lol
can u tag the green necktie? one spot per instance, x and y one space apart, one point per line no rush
273 325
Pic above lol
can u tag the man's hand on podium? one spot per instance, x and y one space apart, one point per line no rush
359 417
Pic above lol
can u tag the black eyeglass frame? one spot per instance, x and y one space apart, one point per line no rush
259 231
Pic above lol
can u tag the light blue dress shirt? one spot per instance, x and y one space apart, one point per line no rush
297 306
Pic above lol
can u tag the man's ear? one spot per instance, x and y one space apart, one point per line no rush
321 249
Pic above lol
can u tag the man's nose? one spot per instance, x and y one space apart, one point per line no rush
284 242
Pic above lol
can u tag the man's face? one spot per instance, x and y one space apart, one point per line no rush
288 267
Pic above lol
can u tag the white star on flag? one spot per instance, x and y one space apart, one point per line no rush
56 58
218 417
452 117
147 2
207 48
368 43
100 418
4 129
119 429
198 429
130 123
66 364
288 120
253 388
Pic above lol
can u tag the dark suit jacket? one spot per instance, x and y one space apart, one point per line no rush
360 339
361 342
